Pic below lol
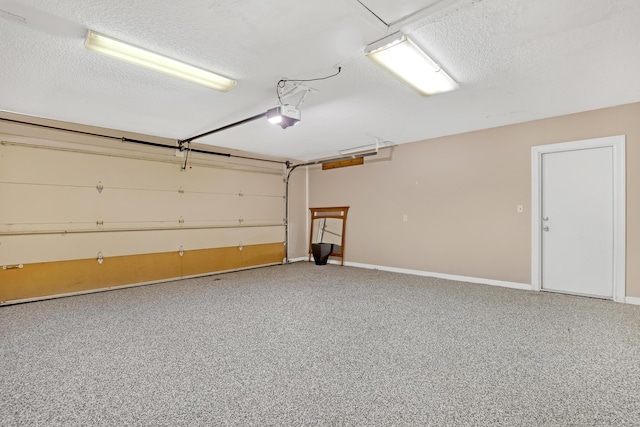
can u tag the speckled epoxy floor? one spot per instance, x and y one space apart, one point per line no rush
320 345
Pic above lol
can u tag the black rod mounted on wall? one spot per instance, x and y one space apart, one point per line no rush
20 122
155 144
152 144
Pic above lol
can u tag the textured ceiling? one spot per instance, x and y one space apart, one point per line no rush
514 60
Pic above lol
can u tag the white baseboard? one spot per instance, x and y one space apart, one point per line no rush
504 284
632 300
302 258
501 283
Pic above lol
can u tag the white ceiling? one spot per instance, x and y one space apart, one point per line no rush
515 61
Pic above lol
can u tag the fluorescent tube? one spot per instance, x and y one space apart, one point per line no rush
402 57
136 55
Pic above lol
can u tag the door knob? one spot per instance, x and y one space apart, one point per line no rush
545 228
545 218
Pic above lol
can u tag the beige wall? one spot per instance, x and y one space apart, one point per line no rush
460 195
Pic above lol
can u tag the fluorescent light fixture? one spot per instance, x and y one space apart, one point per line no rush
136 55
367 148
284 116
402 57
359 150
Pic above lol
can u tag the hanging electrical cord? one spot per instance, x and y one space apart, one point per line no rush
280 85
283 82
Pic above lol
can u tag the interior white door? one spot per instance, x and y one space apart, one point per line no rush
577 221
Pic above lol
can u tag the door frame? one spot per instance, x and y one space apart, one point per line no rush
617 143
